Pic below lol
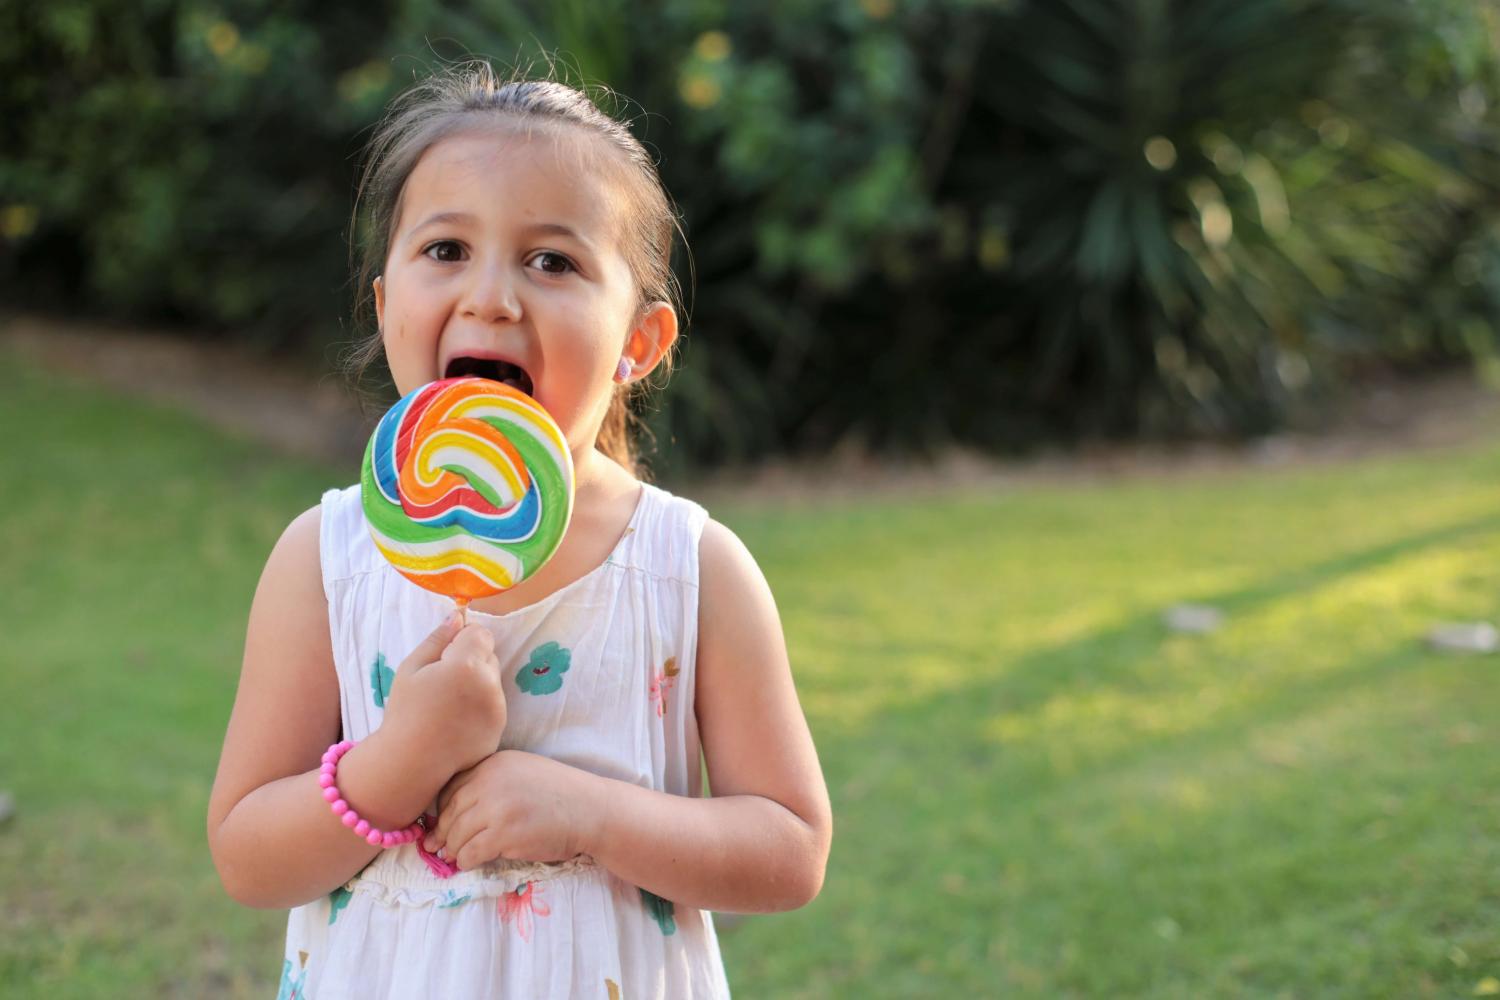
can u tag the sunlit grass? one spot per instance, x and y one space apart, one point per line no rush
1038 789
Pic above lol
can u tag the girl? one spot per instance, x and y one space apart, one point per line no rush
553 741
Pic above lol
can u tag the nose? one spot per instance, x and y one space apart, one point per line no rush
490 295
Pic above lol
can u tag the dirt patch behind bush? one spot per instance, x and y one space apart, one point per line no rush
319 417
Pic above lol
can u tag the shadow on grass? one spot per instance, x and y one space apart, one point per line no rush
1030 860
1030 681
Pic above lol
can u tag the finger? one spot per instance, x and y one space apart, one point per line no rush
463 826
468 822
444 833
476 851
471 640
449 804
431 648
436 835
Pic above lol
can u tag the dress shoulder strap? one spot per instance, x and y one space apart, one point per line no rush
664 536
345 544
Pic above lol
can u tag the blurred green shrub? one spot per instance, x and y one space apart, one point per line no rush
1208 209
179 160
912 223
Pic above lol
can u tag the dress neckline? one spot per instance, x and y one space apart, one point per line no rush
630 528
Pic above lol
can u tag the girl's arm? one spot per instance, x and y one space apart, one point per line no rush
274 840
761 843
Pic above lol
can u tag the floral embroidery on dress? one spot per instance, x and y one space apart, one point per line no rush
337 900
543 672
381 678
663 682
660 910
451 898
291 989
520 905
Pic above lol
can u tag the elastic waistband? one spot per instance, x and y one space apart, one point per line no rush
400 876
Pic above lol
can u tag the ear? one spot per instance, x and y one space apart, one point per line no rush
654 333
380 302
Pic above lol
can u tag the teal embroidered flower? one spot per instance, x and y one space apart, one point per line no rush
337 900
660 910
291 987
381 677
543 673
452 899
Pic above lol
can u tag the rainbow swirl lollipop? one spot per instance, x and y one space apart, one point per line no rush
467 487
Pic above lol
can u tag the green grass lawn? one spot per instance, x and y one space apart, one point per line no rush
1038 791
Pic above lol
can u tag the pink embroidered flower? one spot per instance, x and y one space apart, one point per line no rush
520 906
662 683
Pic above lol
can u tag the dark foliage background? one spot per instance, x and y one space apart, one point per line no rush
912 224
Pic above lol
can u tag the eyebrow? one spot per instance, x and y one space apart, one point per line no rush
442 218
464 218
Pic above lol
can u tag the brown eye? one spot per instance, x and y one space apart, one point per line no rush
445 251
552 263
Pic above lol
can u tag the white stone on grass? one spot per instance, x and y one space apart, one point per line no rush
1195 618
1464 637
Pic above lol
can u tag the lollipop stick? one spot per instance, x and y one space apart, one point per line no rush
462 605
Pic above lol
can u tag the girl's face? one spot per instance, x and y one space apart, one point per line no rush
507 252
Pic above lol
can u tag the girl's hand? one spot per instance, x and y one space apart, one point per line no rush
447 699
515 805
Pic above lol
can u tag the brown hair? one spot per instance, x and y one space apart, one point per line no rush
468 95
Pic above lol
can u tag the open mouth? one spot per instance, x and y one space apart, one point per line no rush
491 368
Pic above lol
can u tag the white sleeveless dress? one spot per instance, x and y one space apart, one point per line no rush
598 675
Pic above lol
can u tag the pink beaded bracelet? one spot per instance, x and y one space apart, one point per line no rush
346 813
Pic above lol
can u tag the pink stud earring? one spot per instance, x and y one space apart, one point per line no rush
622 370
